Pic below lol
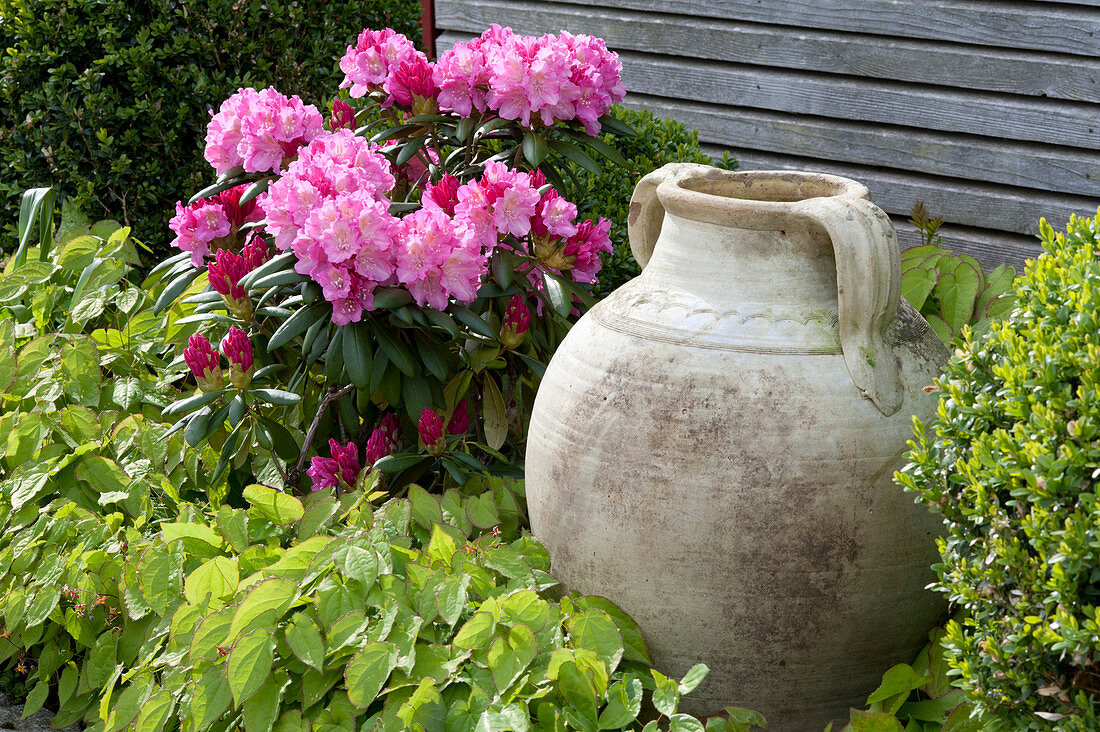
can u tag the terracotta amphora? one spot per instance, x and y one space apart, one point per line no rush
712 447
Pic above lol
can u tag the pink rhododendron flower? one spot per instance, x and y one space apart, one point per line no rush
430 428
410 85
585 246
238 350
532 80
341 468
442 195
435 263
259 131
204 362
212 221
368 64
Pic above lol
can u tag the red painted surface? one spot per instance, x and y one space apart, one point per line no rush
427 25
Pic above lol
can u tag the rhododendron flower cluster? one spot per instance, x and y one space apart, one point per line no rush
388 61
341 468
227 269
259 131
524 78
210 222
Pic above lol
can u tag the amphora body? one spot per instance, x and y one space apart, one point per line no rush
712 446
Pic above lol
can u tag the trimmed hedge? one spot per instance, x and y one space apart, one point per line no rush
108 99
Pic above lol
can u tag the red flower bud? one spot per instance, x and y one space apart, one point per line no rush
430 428
517 319
204 363
460 420
238 349
343 116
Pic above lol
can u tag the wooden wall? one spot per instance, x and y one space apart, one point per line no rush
986 110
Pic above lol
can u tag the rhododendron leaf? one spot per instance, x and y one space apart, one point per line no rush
166 264
601 147
392 132
463 129
282 442
534 147
494 413
277 397
192 402
416 394
297 324
555 292
358 345
173 289
503 266
491 126
397 463
222 184
575 155
334 357
206 317
537 367
254 190
286 277
441 320
198 428
410 149
277 263
472 321
396 351
228 449
616 126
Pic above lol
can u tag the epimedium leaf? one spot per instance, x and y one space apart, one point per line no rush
359 564
249 664
367 672
155 711
277 507
693 678
275 594
262 708
210 697
595 631
217 577
633 645
304 638
476 632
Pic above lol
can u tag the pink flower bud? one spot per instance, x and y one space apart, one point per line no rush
342 116
230 199
430 428
224 274
442 195
255 253
204 363
460 420
517 319
238 349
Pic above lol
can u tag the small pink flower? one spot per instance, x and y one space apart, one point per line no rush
584 248
460 420
204 362
343 116
238 349
517 320
430 428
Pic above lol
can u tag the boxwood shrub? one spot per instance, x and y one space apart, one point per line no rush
1012 463
108 99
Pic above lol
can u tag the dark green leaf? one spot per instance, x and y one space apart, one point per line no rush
297 324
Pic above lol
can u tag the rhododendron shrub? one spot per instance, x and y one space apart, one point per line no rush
393 287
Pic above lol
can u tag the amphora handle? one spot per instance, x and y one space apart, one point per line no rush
643 224
868 278
868 269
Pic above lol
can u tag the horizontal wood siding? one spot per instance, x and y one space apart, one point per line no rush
986 110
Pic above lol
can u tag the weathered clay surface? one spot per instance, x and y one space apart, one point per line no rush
700 455
11 718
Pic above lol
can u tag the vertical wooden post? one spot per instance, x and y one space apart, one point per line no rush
427 26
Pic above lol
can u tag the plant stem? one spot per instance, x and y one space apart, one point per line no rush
294 472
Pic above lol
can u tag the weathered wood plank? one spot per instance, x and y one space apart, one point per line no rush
1045 167
1017 118
925 62
1000 23
966 203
